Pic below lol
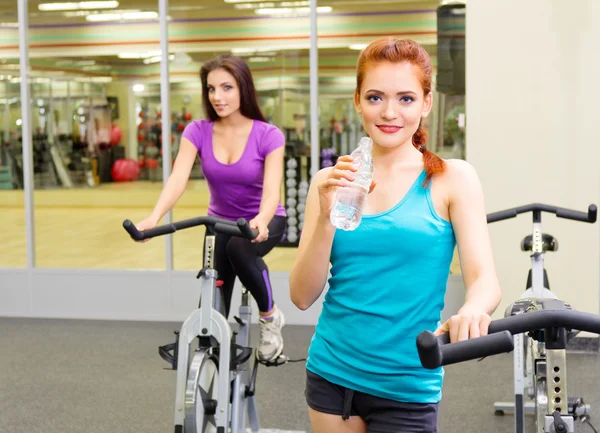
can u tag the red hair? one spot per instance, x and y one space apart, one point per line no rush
390 49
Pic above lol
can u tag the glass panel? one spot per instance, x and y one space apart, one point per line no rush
449 139
84 68
293 87
13 244
278 60
449 127
341 126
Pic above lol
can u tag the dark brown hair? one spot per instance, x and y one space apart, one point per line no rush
390 49
241 72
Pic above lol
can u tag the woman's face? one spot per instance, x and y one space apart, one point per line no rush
391 102
223 92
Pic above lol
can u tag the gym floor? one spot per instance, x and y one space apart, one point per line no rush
69 376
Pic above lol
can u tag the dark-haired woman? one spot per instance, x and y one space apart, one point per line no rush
242 161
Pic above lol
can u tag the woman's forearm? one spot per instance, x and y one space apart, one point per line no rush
268 205
173 189
309 274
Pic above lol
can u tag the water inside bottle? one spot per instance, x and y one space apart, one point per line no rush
348 207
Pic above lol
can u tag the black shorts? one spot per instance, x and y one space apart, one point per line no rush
380 414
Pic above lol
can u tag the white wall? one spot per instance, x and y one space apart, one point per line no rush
533 132
142 295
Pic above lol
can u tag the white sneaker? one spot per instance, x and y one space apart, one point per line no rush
270 344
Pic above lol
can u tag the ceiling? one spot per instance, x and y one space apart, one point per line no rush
187 16
183 8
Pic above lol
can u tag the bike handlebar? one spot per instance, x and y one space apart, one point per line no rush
437 351
232 228
589 217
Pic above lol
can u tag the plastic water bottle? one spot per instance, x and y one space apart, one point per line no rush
349 201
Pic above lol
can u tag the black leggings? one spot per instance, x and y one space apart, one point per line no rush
236 256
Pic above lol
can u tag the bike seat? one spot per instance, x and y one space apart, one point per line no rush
549 243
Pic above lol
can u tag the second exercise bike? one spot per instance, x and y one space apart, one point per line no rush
215 391
537 327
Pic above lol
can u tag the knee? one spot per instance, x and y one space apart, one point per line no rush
238 250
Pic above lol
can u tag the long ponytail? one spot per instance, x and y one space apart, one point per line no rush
433 163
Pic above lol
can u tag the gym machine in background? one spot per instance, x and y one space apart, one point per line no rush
150 141
341 138
74 143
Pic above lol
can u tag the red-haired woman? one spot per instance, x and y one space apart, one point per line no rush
388 277
242 161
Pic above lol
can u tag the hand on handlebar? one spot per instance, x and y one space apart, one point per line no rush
259 224
435 351
148 223
467 323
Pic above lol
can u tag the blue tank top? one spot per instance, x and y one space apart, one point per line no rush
388 282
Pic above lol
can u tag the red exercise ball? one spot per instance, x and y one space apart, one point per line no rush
115 135
152 163
125 170
187 116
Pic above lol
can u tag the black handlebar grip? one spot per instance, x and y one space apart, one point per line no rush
246 230
433 353
147 234
592 213
132 230
428 347
502 215
590 216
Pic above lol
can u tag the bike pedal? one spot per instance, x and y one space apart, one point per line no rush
169 352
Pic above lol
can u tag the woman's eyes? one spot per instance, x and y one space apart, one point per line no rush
227 87
375 98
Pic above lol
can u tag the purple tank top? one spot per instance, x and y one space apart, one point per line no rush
235 189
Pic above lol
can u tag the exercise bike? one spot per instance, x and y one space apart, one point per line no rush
436 351
540 364
215 391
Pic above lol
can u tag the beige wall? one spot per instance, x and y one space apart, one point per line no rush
533 136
